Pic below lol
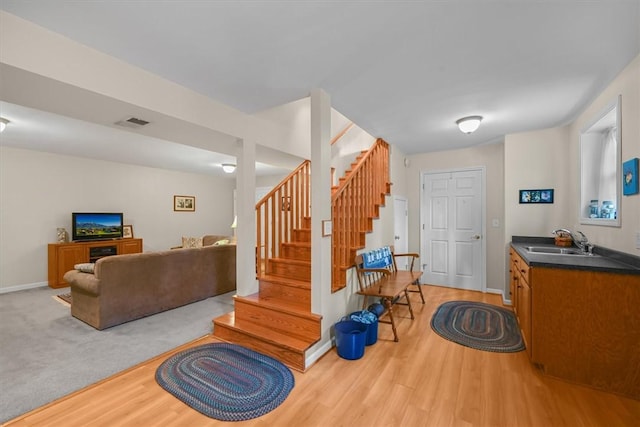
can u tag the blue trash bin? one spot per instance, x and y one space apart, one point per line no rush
350 339
371 320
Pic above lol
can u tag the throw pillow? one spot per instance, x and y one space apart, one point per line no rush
191 242
86 267
221 242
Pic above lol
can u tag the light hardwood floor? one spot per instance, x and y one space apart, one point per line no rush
423 380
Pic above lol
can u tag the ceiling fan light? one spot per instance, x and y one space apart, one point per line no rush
469 124
228 167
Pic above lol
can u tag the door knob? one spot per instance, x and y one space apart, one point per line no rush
475 237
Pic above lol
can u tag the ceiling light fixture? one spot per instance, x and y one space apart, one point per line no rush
3 123
469 124
228 167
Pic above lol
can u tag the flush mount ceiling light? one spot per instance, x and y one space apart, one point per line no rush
469 124
3 123
228 167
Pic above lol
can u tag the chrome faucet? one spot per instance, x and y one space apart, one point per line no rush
583 242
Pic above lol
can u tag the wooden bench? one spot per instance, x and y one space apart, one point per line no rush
379 277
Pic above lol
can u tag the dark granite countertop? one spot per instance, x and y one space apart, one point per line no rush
606 260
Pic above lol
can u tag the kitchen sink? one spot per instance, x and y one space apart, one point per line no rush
549 250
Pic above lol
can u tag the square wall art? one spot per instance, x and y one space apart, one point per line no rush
630 177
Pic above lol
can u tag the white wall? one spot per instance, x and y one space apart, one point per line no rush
39 191
536 160
491 157
627 84
550 158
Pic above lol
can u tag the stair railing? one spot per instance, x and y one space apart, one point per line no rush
280 212
354 205
341 133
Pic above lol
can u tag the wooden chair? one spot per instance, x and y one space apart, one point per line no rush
417 287
383 280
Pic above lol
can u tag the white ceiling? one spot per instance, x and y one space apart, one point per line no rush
403 70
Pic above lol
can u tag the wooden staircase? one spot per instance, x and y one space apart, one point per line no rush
355 203
277 320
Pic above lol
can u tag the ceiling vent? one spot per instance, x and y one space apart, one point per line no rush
132 122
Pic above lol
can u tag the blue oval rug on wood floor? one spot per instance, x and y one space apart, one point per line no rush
478 325
226 381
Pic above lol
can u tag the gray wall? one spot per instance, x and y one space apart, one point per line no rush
39 191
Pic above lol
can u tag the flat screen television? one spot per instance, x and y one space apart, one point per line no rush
96 226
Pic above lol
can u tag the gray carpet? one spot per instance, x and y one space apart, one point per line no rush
46 354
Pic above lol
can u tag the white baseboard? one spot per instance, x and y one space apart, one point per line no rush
505 301
6 290
320 351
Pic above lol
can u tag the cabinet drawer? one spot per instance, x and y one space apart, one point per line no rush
520 266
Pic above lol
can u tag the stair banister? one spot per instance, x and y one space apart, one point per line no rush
354 205
279 212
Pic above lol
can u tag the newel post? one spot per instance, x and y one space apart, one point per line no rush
320 198
246 283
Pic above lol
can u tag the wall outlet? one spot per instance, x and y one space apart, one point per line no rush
637 239
495 223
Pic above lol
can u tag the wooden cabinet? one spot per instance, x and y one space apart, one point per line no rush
521 296
587 328
130 246
63 256
580 325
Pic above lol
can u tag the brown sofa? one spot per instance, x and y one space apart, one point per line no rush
128 287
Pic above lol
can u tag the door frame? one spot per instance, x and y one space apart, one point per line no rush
406 222
483 220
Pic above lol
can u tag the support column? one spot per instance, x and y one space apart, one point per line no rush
320 198
246 211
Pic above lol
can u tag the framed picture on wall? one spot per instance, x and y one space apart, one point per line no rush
630 177
536 196
184 203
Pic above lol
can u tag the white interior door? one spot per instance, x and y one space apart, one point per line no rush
453 249
401 230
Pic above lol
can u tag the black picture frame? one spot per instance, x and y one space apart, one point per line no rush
536 196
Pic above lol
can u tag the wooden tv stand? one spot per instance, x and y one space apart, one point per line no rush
63 256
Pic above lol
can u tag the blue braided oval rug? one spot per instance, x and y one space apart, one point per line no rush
226 381
478 325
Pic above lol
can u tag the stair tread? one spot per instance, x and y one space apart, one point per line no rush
291 261
300 244
275 304
264 333
286 281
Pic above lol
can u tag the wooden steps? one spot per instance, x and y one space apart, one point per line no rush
292 268
302 235
296 293
296 250
356 202
286 318
264 339
277 321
